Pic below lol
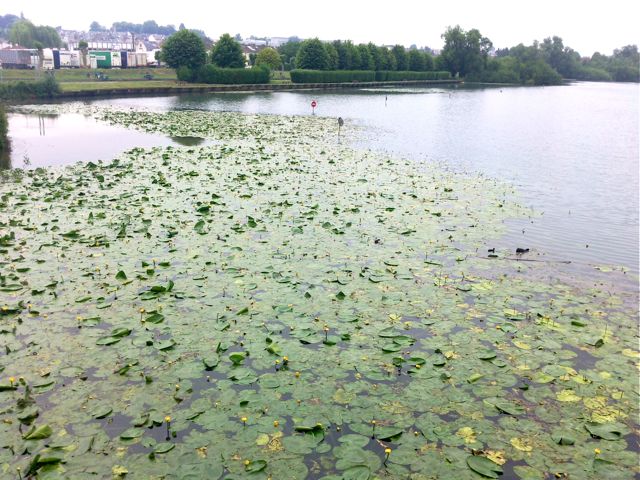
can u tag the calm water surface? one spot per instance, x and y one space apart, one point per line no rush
572 151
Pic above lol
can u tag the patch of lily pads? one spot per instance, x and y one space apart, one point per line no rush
279 305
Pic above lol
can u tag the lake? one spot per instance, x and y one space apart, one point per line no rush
571 151
251 296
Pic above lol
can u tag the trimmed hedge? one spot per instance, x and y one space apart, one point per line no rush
46 88
211 74
332 76
343 76
393 76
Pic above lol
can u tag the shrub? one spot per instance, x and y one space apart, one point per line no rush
185 74
47 88
233 76
332 76
393 76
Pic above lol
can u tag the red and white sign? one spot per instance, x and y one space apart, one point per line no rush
314 104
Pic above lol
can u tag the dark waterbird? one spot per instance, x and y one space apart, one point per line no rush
521 250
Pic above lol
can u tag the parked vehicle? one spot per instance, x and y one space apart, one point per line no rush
100 59
17 58
67 59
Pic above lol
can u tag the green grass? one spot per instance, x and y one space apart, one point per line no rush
80 75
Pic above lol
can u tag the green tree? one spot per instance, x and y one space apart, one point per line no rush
312 55
429 63
5 23
378 59
150 26
332 54
416 61
288 52
184 49
402 60
389 59
22 33
563 59
345 55
227 53
269 57
26 34
464 52
362 58
96 27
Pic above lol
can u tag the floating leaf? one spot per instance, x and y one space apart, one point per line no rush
39 433
484 466
607 431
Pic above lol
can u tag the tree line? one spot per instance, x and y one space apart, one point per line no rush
314 54
467 53
26 34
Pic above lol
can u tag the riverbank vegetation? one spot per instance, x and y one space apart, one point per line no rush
470 55
340 76
467 53
46 87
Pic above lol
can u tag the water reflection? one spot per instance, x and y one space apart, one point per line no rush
572 152
188 141
52 140
5 158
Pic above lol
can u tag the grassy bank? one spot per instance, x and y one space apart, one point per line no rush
80 75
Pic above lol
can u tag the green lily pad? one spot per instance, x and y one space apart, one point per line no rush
484 466
132 433
39 433
607 431
163 447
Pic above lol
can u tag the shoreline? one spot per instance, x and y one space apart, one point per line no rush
267 87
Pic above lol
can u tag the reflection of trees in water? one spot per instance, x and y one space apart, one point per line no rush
188 141
5 145
5 159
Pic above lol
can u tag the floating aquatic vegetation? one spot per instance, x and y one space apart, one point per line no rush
279 305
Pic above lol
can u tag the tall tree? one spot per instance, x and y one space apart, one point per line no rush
184 49
332 55
379 61
563 59
402 60
288 52
269 57
26 34
416 61
464 52
345 55
312 55
227 53
366 60
96 27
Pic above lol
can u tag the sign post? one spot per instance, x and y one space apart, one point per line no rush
314 104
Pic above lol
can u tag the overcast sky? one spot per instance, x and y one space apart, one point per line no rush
586 26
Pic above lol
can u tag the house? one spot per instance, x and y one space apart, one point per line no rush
275 42
248 50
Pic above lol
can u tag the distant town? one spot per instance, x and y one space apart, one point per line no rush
122 45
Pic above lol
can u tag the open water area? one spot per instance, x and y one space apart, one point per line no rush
571 151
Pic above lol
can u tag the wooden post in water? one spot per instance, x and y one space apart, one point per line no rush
340 124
